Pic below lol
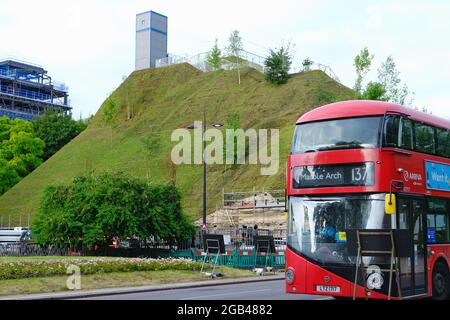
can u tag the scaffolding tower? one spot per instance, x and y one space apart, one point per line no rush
27 91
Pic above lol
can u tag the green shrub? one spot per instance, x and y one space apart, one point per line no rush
94 209
31 269
278 64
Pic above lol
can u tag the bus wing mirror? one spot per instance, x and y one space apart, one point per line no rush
390 204
286 201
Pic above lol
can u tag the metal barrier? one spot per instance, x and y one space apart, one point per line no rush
238 259
317 66
242 238
199 61
246 59
31 249
32 95
14 75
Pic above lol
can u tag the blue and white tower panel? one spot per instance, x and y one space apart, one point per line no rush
151 39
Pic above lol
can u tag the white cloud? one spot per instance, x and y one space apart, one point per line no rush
374 20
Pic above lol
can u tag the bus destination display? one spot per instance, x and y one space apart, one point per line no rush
360 174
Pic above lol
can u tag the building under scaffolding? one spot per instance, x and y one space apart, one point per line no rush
26 91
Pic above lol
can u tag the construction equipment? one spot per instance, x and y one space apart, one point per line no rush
214 246
385 247
265 246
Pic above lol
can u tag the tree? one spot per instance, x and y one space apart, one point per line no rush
130 110
214 58
20 151
109 112
374 91
24 152
362 63
323 95
152 147
307 63
235 47
84 123
56 130
8 176
233 122
278 64
95 209
387 88
389 77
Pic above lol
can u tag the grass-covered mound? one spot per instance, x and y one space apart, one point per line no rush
164 99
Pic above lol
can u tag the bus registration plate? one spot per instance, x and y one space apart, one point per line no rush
328 289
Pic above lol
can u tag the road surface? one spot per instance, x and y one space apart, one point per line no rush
263 290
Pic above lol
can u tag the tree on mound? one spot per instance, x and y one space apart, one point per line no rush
235 48
214 58
278 64
95 209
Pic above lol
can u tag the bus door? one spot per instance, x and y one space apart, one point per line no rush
411 217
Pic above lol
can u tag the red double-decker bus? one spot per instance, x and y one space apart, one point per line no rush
347 160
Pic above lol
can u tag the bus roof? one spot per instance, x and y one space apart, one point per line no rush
364 108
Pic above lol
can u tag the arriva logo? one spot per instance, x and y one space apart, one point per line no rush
412 176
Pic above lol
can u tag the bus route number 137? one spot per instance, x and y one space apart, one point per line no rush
359 174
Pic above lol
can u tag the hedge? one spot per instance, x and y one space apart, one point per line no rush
30 269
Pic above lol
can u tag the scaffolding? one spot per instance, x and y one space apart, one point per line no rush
27 91
265 199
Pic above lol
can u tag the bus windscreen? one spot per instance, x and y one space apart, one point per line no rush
354 133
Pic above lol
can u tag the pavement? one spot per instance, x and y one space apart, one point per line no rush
253 288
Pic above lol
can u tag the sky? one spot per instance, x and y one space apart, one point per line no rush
90 45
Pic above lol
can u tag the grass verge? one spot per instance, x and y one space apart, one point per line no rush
111 280
30 275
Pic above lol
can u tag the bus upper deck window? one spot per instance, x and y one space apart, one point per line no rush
391 128
406 134
443 143
424 138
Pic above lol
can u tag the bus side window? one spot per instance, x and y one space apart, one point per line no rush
391 127
406 134
438 221
424 138
443 143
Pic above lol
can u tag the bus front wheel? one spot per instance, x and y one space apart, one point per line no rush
441 281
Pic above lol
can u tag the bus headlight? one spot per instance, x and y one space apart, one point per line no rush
290 276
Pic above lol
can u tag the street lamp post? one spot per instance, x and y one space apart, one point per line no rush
204 170
204 126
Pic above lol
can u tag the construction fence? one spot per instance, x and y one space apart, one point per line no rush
240 248
243 238
265 199
241 259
